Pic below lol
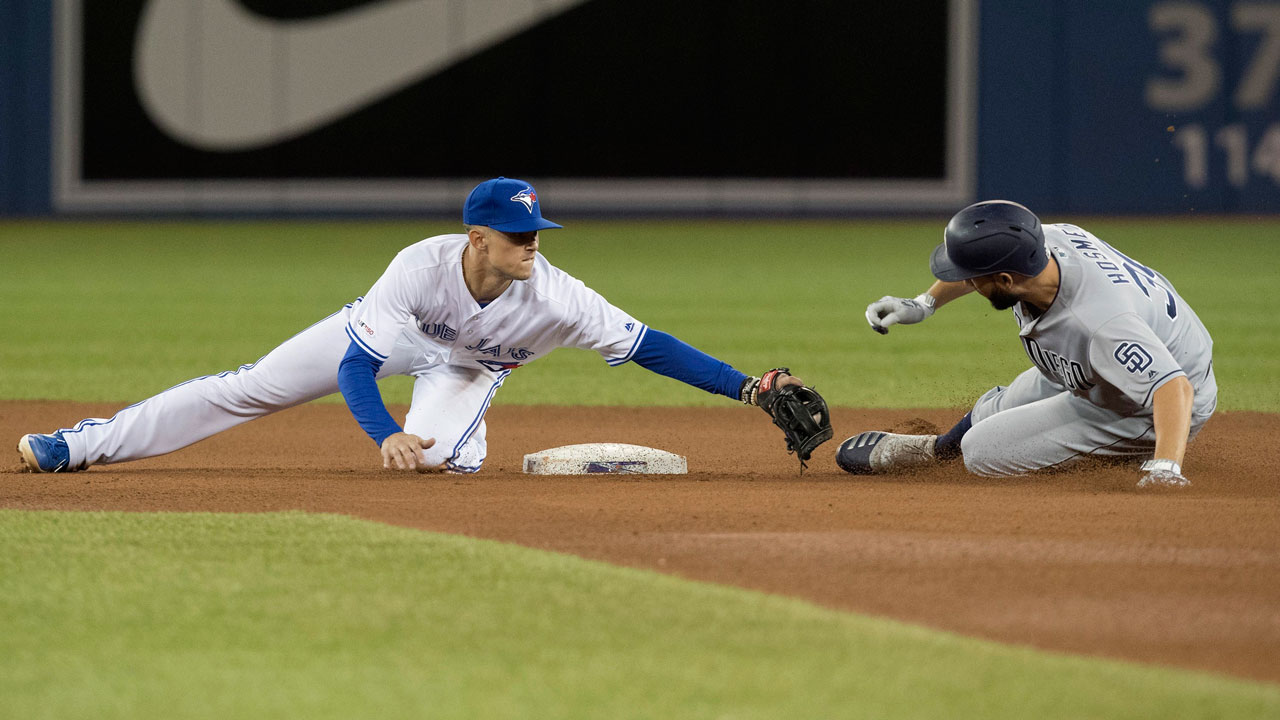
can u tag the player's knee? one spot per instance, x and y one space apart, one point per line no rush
982 454
988 404
460 447
459 456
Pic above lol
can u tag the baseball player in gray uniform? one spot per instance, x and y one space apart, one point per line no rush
1122 366
459 313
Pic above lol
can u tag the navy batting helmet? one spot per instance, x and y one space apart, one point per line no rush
990 237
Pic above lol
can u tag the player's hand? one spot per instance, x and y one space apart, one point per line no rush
787 380
890 310
1162 473
777 378
799 411
403 451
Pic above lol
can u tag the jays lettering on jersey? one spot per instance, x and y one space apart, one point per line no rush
422 298
1117 330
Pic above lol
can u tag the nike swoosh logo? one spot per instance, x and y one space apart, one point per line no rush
218 77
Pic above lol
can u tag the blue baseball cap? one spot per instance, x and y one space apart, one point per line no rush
506 205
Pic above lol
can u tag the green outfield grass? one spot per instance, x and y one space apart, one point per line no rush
118 311
289 615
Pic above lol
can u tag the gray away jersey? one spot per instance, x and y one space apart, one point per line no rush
1117 330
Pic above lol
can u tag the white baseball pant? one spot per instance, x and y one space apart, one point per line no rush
449 402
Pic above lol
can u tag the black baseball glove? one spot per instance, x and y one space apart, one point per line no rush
800 411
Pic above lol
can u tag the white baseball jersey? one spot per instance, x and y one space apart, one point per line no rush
421 321
1117 330
422 297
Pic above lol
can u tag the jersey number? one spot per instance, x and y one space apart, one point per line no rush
1146 279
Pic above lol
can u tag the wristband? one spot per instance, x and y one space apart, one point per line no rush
1159 465
750 391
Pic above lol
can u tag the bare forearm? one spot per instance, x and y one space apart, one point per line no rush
1172 409
945 292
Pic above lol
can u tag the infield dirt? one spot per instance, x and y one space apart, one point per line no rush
1079 561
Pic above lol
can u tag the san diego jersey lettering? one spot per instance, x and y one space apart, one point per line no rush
1117 330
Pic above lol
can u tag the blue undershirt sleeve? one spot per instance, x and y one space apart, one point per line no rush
667 355
357 379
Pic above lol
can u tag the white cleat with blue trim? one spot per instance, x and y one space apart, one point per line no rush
877 452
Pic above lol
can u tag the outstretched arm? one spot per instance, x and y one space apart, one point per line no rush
799 411
669 356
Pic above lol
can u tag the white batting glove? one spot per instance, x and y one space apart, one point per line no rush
890 310
1162 473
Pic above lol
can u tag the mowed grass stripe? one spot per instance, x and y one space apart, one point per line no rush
117 615
117 311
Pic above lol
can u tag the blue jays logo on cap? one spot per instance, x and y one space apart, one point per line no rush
526 197
506 205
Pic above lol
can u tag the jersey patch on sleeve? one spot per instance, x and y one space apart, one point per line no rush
1133 357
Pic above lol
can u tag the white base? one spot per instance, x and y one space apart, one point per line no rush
616 458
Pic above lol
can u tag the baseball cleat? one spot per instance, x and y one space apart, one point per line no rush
45 453
874 452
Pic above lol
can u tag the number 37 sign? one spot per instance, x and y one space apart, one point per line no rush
1218 73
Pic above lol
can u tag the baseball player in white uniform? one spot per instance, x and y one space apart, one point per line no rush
1122 366
458 313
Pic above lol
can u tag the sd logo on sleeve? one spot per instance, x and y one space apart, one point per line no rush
1133 357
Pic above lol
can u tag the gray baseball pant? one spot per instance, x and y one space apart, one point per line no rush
1033 425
